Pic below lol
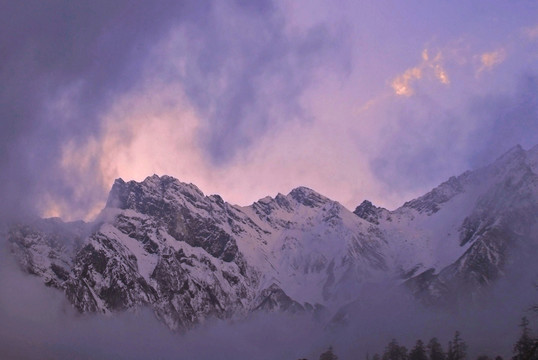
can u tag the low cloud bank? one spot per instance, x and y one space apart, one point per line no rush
38 322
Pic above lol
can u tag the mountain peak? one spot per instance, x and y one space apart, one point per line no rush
431 202
191 257
307 197
302 190
514 154
532 158
131 194
368 211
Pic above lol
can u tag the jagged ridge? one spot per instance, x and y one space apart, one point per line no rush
164 244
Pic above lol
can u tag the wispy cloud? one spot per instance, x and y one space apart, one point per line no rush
402 84
431 67
489 60
441 74
531 32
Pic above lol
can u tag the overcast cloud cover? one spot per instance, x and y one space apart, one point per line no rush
249 98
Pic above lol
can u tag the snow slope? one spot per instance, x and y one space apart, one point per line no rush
164 244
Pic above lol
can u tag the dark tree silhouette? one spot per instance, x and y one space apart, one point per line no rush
457 348
394 351
418 352
435 350
328 355
526 348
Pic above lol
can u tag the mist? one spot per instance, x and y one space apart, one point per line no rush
38 322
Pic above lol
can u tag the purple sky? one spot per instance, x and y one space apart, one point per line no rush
355 99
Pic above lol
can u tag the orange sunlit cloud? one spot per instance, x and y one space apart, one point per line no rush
491 59
402 84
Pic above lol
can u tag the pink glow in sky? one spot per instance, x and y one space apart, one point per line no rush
356 99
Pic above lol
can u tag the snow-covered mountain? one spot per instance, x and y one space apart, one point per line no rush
164 244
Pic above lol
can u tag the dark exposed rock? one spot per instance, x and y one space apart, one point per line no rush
432 201
274 298
163 244
307 197
367 211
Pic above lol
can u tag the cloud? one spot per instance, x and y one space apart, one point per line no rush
156 129
441 74
491 59
503 119
65 68
531 32
37 322
158 134
244 98
244 72
63 63
402 84
432 142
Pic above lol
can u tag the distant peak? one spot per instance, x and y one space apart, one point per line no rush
512 154
302 190
366 204
430 203
516 149
368 211
131 194
166 180
217 198
157 179
307 196
266 200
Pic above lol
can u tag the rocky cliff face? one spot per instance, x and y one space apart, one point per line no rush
164 244
500 226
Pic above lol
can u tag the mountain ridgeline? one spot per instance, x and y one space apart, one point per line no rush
163 244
